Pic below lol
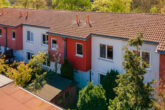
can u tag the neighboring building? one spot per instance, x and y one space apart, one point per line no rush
91 41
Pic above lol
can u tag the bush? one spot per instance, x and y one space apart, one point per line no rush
67 69
21 76
37 83
36 63
3 66
92 98
109 82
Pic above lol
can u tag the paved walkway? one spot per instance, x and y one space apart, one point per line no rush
4 80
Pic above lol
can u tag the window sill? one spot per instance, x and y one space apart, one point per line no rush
108 60
13 39
45 45
79 55
53 48
31 42
0 35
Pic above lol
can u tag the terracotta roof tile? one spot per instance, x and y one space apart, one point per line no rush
111 24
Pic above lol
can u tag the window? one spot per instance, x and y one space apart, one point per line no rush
54 44
79 50
136 53
0 32
101 78
47 62
30 36
29 55
146 57
0 48
45 39
109 52
106 51
102 51
13 35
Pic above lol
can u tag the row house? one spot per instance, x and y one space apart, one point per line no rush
92 41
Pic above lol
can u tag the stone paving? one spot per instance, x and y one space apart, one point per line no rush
4 80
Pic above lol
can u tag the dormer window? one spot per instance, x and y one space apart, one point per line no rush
13 35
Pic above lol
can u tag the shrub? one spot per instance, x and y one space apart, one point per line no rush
21 76
37 83
92 98
3 66
67 69
109 82
36 63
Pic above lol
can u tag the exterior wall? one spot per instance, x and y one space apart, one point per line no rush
2 49
2 38
102 66
16 44
60 46
35 46
79 63
82 78
162 67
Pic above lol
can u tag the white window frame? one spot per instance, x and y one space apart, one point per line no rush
31 41
51 44
79 55
1 32
106 45
42 39
149 58
12 35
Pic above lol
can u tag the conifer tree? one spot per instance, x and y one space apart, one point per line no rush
92 98
133 93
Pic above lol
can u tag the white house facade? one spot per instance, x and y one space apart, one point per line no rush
101 65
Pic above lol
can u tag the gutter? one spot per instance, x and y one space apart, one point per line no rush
41 98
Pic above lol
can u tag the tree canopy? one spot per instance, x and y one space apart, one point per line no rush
92 98
132 92
4 3
112 5
81 5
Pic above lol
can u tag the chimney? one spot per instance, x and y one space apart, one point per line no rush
88 21
20 14
2 12
27 15
77 20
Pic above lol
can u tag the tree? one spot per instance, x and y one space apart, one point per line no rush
3 66
36 4
81 5
37 62
56 58
109 82
67 69
92 98
159 103
112 5
4 3
21 76
39 4
132 93
22 3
